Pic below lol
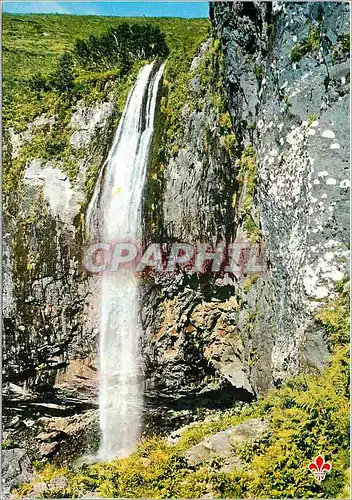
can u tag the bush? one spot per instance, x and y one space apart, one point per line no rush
63 78
121 46
38 83
308 45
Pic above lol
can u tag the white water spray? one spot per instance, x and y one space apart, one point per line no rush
115 214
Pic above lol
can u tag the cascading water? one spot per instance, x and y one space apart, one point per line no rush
114 215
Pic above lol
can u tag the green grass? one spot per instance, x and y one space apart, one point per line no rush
33 43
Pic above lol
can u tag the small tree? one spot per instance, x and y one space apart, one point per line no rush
63 78
121 46
38 83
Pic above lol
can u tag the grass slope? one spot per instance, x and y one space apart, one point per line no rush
33 44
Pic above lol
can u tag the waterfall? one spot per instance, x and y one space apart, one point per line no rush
114 214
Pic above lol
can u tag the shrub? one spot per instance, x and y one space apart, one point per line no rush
63 78
38 83
308 45
121 46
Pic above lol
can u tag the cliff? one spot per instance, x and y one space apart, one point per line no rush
262 157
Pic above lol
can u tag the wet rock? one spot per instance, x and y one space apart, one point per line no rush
195 356
79 377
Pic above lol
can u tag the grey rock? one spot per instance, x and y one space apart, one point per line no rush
64 201
45 304
21 138
14 422
38 489
49 436
301 172
86 120
16 469
176 435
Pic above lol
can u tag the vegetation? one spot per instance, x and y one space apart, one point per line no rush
247 179
37 42
342 47
308 45
308 416
50 62
7 444
259 72
121 46
335 317
312 119
249 281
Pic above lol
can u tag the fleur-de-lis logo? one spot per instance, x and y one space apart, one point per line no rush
320 468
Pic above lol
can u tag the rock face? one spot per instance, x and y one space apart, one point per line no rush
49 348
46 287
194 350
291 80
196 355
286 77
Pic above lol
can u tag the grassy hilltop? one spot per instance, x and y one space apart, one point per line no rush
33 50
33 44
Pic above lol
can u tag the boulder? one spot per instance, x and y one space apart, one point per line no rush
38 489
49 449
50 436
58 483
222 444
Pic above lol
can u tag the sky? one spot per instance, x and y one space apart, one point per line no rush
117 8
